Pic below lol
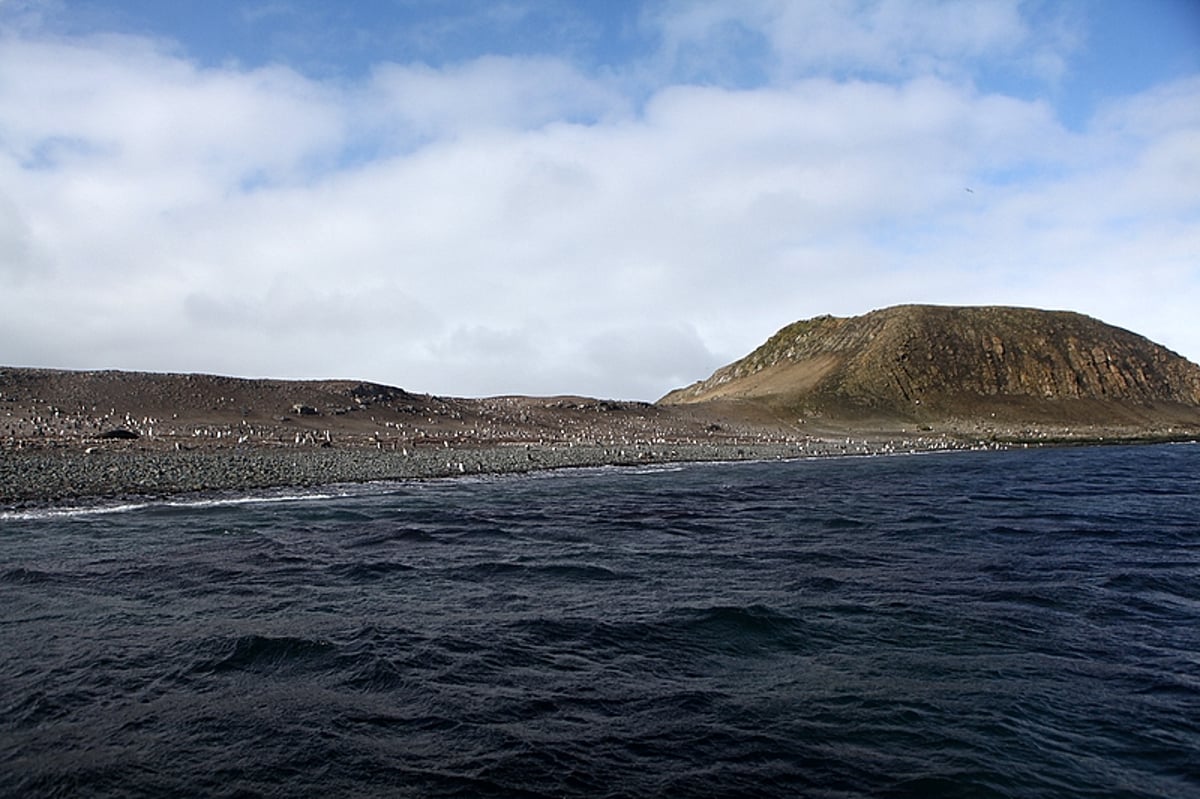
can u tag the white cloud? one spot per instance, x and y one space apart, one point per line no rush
489 92
513 225
127 98
19 256
899 38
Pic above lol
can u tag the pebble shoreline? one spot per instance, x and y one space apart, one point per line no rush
32 478
48 477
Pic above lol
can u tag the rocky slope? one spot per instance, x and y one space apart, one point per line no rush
913 378
920 362
68 436
47 408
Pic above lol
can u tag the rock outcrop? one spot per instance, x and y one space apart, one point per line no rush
928 362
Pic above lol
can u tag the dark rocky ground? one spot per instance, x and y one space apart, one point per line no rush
85 436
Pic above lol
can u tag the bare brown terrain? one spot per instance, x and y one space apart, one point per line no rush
1019 372
912 378
66 436
41 408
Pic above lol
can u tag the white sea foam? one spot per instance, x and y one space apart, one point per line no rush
72 512
666 469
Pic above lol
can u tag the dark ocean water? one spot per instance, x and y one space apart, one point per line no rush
973 624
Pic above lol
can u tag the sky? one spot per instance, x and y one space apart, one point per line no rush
608 198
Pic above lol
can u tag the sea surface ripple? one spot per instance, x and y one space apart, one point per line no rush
1012 624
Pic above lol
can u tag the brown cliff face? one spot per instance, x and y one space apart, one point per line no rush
925 362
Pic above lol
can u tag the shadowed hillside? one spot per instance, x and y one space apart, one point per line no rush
920 362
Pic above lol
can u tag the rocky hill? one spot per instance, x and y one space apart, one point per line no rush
49 408
921 362
912 378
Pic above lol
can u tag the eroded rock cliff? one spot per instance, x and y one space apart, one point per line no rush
921 361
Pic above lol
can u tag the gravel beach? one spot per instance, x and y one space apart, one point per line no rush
37 478
70 438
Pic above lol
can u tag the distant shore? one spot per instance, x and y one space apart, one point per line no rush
46 477
69 438
37 478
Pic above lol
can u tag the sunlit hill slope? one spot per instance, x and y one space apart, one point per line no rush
921 362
